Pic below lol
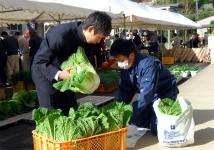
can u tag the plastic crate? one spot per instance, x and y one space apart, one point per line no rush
19 87
115 140
2 94
168 60
102 89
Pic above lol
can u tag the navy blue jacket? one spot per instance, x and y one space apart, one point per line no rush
34 42
60 43
150 79
11 45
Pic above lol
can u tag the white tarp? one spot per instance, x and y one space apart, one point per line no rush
142 16
136 15
27 11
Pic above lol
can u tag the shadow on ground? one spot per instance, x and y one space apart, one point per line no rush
202 116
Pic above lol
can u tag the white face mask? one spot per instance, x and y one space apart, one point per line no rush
124 65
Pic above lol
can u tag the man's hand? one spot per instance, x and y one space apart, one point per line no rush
65 73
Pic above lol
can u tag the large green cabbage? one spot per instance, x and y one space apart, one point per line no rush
85 79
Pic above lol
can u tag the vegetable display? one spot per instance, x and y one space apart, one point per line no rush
86 121
85 79
170 107
21 102
109 78
157 54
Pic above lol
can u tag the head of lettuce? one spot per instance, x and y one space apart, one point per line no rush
85 79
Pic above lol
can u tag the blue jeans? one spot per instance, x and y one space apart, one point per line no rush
148 117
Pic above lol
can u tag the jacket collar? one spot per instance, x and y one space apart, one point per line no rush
80 33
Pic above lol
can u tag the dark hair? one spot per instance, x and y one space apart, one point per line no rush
17 33
175 34
31 31
100 21
122 47
4 33
116 35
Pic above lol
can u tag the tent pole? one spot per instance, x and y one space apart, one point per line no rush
124 24
168 39
132 26
59 19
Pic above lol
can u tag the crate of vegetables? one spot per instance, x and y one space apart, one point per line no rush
109 80
87 128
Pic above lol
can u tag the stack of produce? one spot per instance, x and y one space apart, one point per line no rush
21 102
86 121
109 78
187 55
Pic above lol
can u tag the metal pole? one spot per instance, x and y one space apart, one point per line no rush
124 25
59 19
196 9
168 39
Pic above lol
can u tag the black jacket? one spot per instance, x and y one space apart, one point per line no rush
34 43
60 43
11 45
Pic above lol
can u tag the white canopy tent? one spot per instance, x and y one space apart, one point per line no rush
135 15
40 11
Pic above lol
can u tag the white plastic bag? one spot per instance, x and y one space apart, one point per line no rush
175 131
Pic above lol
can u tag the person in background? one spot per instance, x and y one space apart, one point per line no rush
137 41
60 42
191 41
11 46
162 40
145 75
196 41
26 36
34 43
154 40
116 36
96 48
3 60
177 40
108 42
205 40
24 49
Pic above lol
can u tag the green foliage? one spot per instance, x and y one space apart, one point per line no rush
195 68
22 76
5 109
27 98
86 121
157 54
170 107
84 79
177 74
109 78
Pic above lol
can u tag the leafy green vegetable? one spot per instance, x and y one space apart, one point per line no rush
195 68
5 109
170 107
177 74
42 112
109 78
84 79
27 98
17 106
22 76
86 121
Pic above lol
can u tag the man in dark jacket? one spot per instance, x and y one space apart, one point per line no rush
34 43
3 60
60 43
11 46
145 75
